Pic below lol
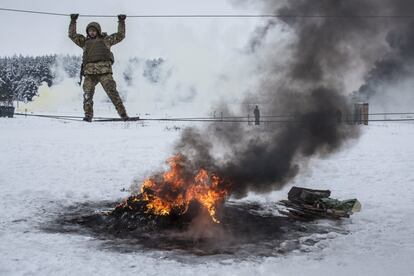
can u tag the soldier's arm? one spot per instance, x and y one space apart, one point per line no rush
120 35
73 35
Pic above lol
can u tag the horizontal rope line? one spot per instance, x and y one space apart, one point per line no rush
62 117
361 16
221 117
35 12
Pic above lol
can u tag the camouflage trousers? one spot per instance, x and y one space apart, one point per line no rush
109 85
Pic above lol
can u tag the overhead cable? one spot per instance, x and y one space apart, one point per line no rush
327 16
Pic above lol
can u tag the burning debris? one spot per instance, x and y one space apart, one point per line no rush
186 210
173 192
309 204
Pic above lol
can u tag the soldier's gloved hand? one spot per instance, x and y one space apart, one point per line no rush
121 17
74 16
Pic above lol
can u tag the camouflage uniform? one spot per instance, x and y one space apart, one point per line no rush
98 69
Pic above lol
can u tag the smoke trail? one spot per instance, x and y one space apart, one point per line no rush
259 34
311 86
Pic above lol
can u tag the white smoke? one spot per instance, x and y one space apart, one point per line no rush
58 99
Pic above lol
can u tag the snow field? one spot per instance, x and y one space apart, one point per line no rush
48 163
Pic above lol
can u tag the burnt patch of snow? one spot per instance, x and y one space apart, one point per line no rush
245 231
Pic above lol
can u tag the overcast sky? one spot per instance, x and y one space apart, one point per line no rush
24 33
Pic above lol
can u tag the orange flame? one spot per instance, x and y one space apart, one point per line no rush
174 191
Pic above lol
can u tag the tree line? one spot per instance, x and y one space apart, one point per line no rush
21 76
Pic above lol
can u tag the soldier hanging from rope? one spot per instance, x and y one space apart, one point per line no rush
97 63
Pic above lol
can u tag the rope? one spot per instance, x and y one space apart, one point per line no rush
34 12
55 116
368 16
391 113
206 119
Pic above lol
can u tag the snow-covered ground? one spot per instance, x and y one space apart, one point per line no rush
46 164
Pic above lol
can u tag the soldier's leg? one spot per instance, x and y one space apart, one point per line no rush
89 84
109 85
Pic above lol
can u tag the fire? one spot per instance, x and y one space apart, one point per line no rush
174 190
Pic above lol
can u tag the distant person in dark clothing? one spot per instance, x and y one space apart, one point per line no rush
256 115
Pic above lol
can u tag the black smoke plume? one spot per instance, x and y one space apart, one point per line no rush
397 64
310 87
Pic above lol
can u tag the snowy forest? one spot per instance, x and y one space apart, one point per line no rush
21 76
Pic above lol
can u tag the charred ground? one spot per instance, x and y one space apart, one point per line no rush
247 230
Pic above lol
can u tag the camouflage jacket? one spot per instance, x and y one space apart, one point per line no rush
101 67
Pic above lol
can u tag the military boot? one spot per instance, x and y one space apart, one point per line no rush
124 116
